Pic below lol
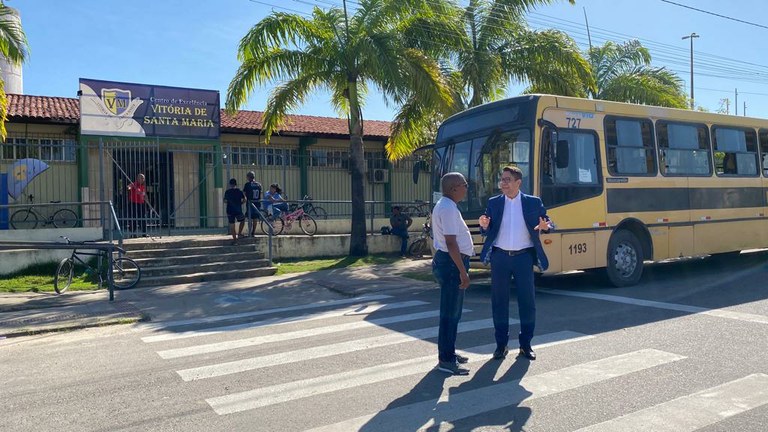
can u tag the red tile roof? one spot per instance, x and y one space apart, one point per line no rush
67 110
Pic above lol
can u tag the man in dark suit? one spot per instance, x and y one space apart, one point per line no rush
512 223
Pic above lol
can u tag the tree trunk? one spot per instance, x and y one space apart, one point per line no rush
358 245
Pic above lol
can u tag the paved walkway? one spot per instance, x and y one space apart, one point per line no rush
30 313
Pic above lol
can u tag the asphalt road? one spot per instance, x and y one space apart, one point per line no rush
682 351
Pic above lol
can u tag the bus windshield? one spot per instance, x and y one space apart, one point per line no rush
481 159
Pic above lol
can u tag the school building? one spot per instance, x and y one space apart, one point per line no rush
94 145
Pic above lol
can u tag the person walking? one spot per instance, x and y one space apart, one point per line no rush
400 223
252 191
512 224
450 266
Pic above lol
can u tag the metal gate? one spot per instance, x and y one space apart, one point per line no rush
177 186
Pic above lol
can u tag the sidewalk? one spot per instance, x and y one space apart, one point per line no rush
30 313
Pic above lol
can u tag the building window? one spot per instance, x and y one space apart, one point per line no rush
684 149
630 148
735 151
46 149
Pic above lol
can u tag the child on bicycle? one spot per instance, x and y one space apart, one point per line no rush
274 201
235 198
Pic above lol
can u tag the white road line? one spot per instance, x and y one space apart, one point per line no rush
451 407
218 318
720 313
324 351
281 337
266 396
363 309
692 412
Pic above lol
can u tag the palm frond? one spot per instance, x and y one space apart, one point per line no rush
13 40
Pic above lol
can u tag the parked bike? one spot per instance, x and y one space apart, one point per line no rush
421 246
420 209
125 272
29 218
310 208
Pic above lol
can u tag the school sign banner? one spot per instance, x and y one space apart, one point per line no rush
136 110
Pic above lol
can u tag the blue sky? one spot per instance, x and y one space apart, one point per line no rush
193 43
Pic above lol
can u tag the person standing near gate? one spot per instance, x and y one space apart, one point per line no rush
137 195
252 191
512 223
450 266
400 223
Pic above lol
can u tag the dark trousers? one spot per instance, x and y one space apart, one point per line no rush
136 217
451 303
403 234
503 267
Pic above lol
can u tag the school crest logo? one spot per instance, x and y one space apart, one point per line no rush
116 100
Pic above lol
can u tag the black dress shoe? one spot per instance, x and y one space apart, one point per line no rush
527 353
500 353
460 359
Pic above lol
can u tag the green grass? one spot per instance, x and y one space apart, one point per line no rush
298 265
39 278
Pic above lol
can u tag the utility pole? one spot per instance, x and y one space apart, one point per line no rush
736 105
589 35
691 36
745 109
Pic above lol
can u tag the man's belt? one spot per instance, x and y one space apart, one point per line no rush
511 252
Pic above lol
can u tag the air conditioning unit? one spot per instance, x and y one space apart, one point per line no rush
378 176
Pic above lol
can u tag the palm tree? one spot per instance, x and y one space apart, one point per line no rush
15 49
345 54
623 74
496 47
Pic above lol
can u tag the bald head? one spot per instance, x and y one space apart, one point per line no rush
451 180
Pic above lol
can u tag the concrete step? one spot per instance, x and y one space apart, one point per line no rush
171 243
206 276
153 271
174 258
189 251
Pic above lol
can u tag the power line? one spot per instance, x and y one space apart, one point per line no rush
715 14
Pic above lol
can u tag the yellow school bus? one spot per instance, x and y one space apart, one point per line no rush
623 183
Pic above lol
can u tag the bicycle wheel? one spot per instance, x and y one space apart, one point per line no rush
277 226
308 225
24 219
63 278
125 273
319 213
418 248
411 211
65 218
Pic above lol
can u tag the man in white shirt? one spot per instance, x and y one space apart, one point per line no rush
450 266
512 223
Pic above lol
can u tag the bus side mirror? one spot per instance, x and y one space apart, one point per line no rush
562 154
416 169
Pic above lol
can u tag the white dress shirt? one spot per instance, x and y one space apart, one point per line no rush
513 233
447 220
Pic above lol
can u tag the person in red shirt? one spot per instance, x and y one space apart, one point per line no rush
137 193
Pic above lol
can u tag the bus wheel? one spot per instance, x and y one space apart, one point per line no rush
625 259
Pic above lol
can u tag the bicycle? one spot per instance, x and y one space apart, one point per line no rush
421 246
28 218
125 272
285 222
420 209
315 211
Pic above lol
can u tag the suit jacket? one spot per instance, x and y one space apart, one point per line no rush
533 208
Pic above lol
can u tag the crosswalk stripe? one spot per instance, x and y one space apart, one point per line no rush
692 412
281 337
362 309
324 351
451 407
218 318
720 313
265 396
